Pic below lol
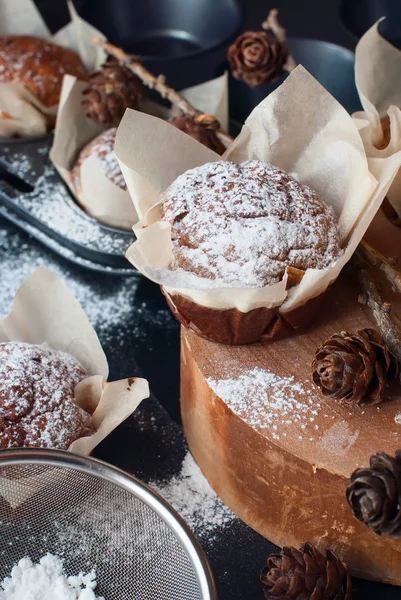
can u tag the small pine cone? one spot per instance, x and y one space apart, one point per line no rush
202 128
354 366
257 57
111 91
305 574
374 494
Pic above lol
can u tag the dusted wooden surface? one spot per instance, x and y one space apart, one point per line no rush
291 488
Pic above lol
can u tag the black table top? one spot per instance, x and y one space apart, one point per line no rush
141 338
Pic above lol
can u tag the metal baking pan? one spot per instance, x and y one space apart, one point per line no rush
33 196
185 40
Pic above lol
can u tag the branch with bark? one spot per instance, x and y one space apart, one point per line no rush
381 310
158 83
273 24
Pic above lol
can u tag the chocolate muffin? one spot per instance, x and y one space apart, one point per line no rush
37 406
103 148
243 224
39 65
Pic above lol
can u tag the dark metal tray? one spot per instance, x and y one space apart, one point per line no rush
33 196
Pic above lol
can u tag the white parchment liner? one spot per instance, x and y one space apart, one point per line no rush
99 196
21 17
301 128
377 77
44 311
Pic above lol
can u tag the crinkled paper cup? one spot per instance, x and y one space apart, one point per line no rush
300 128
29 116
44 311
99 196
377 75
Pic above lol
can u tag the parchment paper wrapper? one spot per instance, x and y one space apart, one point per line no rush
44 311
377 76
301 128
20 17
100 197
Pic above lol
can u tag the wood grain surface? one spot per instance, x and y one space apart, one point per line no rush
284 472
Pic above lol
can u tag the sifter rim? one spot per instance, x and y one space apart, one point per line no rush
102 470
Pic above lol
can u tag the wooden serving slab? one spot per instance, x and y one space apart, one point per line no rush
275 450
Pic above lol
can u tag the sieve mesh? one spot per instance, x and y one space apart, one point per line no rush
93 523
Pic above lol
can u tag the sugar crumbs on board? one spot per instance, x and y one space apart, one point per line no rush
47 580
265 400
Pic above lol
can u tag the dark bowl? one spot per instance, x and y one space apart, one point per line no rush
182 39
359 15
165 29
331 65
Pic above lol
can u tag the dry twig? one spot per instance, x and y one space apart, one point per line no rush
385 265
380 310
280 33
157 83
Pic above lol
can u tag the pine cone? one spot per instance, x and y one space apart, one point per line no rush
375 494
354 366
203 129
305 574
111 91
257 57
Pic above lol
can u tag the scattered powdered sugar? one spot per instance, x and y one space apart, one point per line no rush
19 258
192 496
267 401
51 204
243 224
108 307
47 580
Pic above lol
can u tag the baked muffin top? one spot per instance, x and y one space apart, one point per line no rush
39 65
243 224
36 397
102 147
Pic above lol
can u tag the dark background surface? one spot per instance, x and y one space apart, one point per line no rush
307 18
239 553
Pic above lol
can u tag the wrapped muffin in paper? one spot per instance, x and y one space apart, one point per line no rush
377 77
22 114
300 128
45 313
96 181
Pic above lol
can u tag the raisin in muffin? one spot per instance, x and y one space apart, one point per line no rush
243 224
39 65
37 406
102 147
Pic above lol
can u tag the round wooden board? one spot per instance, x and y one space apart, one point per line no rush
275 450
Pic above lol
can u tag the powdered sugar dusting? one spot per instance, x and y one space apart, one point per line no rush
51 203
107 308
192 496
36 397
269 402
102 147
242 224
47 580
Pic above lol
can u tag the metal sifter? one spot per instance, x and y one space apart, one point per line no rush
95 516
